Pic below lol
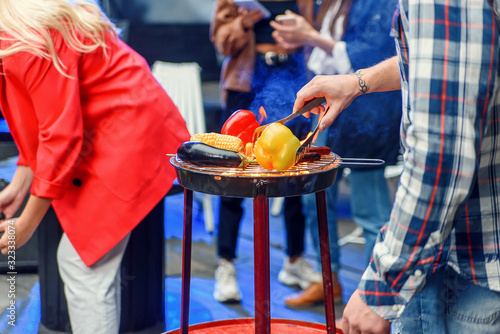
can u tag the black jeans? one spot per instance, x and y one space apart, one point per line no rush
230 215
231 211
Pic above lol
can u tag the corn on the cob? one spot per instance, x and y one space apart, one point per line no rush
225 142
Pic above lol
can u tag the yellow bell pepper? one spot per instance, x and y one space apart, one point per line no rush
276 148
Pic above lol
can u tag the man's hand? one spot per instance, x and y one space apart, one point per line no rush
339 91
360 319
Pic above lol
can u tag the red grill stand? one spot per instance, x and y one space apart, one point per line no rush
262 321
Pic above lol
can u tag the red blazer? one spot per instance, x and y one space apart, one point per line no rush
96 139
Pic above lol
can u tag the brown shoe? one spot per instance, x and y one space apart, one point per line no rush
311 296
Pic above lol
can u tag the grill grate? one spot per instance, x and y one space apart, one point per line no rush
254 170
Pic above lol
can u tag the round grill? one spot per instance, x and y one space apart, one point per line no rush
303 178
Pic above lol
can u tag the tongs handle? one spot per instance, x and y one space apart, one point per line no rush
361 161
305 108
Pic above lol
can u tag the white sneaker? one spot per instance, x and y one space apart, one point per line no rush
226 287
298 273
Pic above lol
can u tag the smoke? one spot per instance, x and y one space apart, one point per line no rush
275 89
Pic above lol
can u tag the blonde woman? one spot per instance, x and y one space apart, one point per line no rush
92 126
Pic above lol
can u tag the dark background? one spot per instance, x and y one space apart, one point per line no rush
168 30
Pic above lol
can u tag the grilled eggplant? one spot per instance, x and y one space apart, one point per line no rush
202 154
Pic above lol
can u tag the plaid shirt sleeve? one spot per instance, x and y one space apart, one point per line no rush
448 58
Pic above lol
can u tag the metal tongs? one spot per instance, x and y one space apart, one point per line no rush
306 145
308 106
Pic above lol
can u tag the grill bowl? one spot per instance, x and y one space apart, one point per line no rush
303 178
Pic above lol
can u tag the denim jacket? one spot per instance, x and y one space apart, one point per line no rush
369 127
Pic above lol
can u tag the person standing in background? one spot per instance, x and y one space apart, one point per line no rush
435 266
92 126
258 73
350 35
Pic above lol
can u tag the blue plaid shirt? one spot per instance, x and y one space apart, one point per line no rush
447 206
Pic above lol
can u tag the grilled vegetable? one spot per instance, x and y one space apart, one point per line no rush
241 124
310 157
202 154
276 148
218 140
323 150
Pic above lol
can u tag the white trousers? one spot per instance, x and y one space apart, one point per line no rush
92 293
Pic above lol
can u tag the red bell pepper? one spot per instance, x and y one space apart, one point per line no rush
241 124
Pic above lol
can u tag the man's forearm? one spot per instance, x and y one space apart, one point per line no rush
341 90
382 77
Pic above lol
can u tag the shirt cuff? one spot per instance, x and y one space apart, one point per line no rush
379 297
21 161
46 189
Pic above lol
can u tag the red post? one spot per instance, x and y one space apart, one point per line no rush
261 265
324 244
186 259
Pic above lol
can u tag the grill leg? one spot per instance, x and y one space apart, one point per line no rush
261 265
326 266
186 259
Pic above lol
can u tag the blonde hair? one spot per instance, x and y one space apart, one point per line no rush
26 26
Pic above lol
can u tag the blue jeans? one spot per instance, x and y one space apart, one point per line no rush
311 214
370 206
309 204
449 303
